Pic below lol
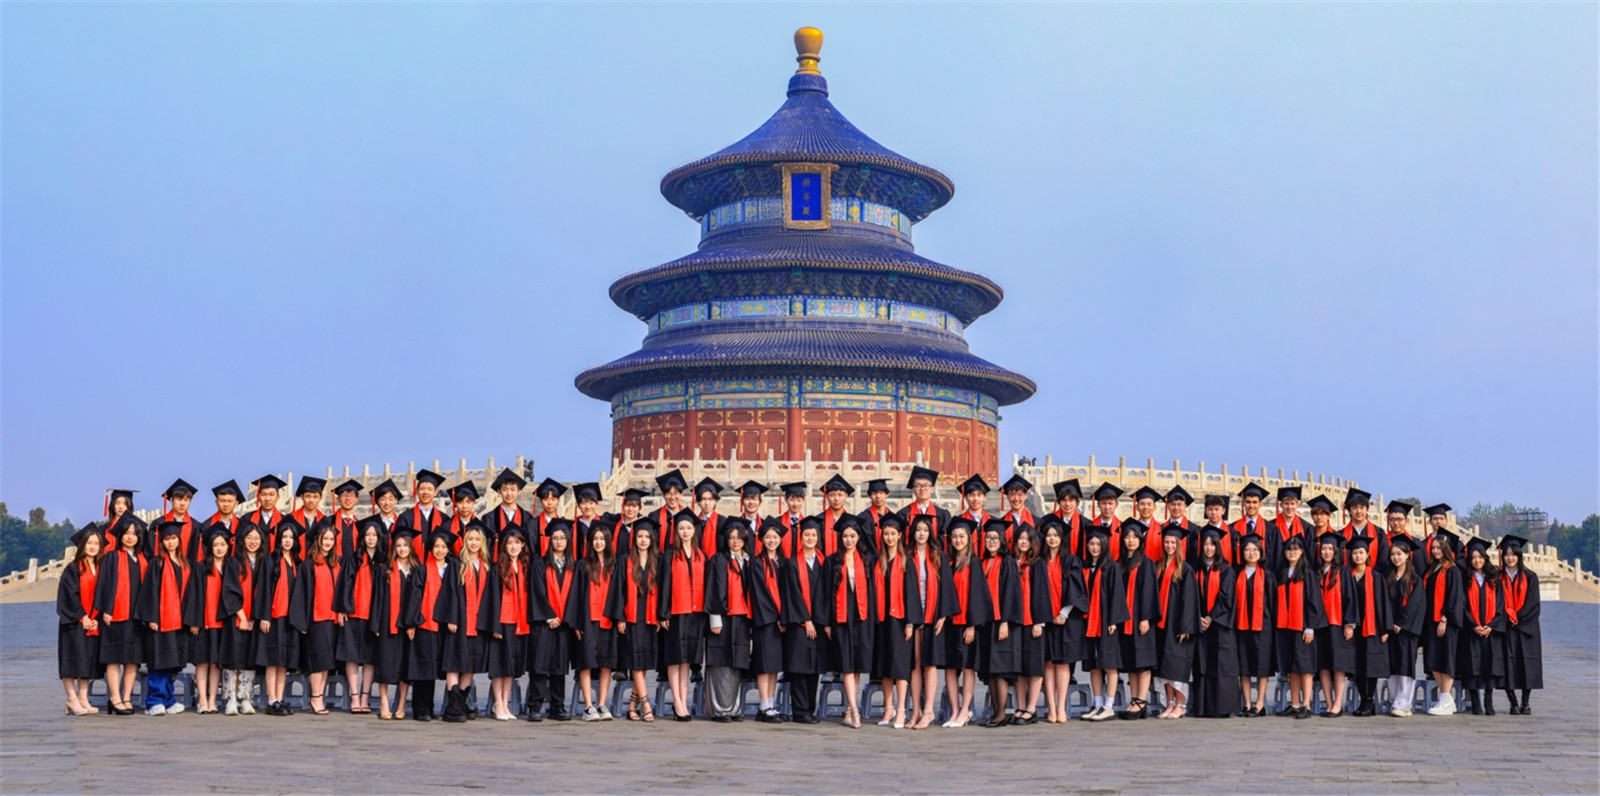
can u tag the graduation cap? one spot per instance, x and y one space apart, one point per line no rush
311 484
426 477
112 495
514 530
216 532
1252 538
1321 503
370 522
1288 493
1513 543
670 481
463 491
1357 497
438 534
1179 493
1016 482
180 488
1437 510
686 514
1253 489
560 524
813 522
269 481
1107 490
1449 536
408 534
770 522
974 484
1067 489
707 484
167 528
92 529
509 476
1296 541
1145 492
1480 545
1050 521
633 495
847 521
736 522
1134 527
959 523
838 484
1331 537
796 489
388 487
584 491
878 485
752 489
1211 532
997 525
1097 532
918 471
1399 507
349 486
645 524
229 487
1404 540
1357 541
892 520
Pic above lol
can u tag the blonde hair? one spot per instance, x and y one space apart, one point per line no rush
466 552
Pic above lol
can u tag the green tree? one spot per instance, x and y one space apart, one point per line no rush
1578 541
35 537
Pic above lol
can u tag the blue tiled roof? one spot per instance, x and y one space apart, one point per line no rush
811 347
808 128
844 265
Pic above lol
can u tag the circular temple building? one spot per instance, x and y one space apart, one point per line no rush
806 322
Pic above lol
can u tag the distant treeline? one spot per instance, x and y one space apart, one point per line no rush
1574 541
34 537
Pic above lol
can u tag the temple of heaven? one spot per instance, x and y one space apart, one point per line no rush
806 321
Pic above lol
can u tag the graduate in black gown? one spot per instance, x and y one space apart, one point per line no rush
1254 627
161 609
1177 621
1138 636
311 611
1482 651
243 579
1066 606
1108 610
277 645
852 611
594 656
971 610
899 605
1034 589
206 614
921 483
728 611
78 638
508 606
765 581
554 616
1298 614
1408 605
805 614
462 613
393 594
1370 621
361 568
1519 587
1216 660
1446 613
632 606
1336 639
424 664
681 609
1000 642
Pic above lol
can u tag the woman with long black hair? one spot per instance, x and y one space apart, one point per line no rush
1108 610
852 610
1408 621
765 579
1297 614
1067 605
1216 656
594 657
1445 614
728 613
1524 639
1138 638
360 570
78 638
633 606
1177 622
1482 651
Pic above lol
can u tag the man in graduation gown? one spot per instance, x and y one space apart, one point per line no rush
1287 525
548 493
707 494
266 516
508 486
672 485
308 515
1068 495
385 503
1216 510
464 509
1145 499
1252 522
974 492
228 495
794 500
750 495
1107 497
424 517
1016 489
1357 504
877 509
1178 500
586 496
191 533
835 492
921 483
347 536
1398 513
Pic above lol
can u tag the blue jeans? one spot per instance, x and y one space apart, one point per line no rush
158 688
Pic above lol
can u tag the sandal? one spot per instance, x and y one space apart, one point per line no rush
317 708
633 709
649 712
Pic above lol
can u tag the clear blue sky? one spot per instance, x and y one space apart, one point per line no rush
1355 239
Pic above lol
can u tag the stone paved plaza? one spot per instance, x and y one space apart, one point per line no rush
1557 750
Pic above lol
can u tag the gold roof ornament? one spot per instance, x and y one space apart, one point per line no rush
808 45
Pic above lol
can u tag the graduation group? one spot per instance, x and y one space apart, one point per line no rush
1197 616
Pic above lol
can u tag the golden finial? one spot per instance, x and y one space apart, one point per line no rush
808 43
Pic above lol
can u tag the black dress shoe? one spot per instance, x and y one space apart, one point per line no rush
560 715
533 715
1288 710
805 718
685 717
1303 713
722 719
736 717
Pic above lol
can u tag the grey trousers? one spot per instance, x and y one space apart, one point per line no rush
724 697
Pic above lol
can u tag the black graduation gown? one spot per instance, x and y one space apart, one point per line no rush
1524 666
1003 657
279 645
425 653
391 648
319 638
495 525
1371 657
1064 642
412 518
1482 658
167 650
871 534
207 645
1036 611
1103 647
550 653
1139 649
731 647
597 649
1408 618
356 640
850 641
1216 656
892 653
508 654
1175 658
462 652
1439 652
958 654
124 641
766 637
1334 652
684 637
803 655
940 525
933 642
1257 648
1272 553
239 647
77 652
1294 654
637 645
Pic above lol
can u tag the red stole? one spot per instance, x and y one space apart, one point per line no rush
173 585
1291 606
557 585
708 534
513 600
476 580
1025 582
86 581
432 581
361 591
771 569
962 578
1133 603
841 596
1096 623
122 603
991 575
345 525
280 592
1213 584
247 585
631 610
1440 578
805 580
1516 593
892 590
322 591
397 581
688 583
1250 619
738 601
1167 574
1333 596
213 596
1052 570
1482 609
598 589
1369 605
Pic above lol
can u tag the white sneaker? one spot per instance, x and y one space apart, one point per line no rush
605 713
248 708
232 708
590 714
175 709
155 710
1446 707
